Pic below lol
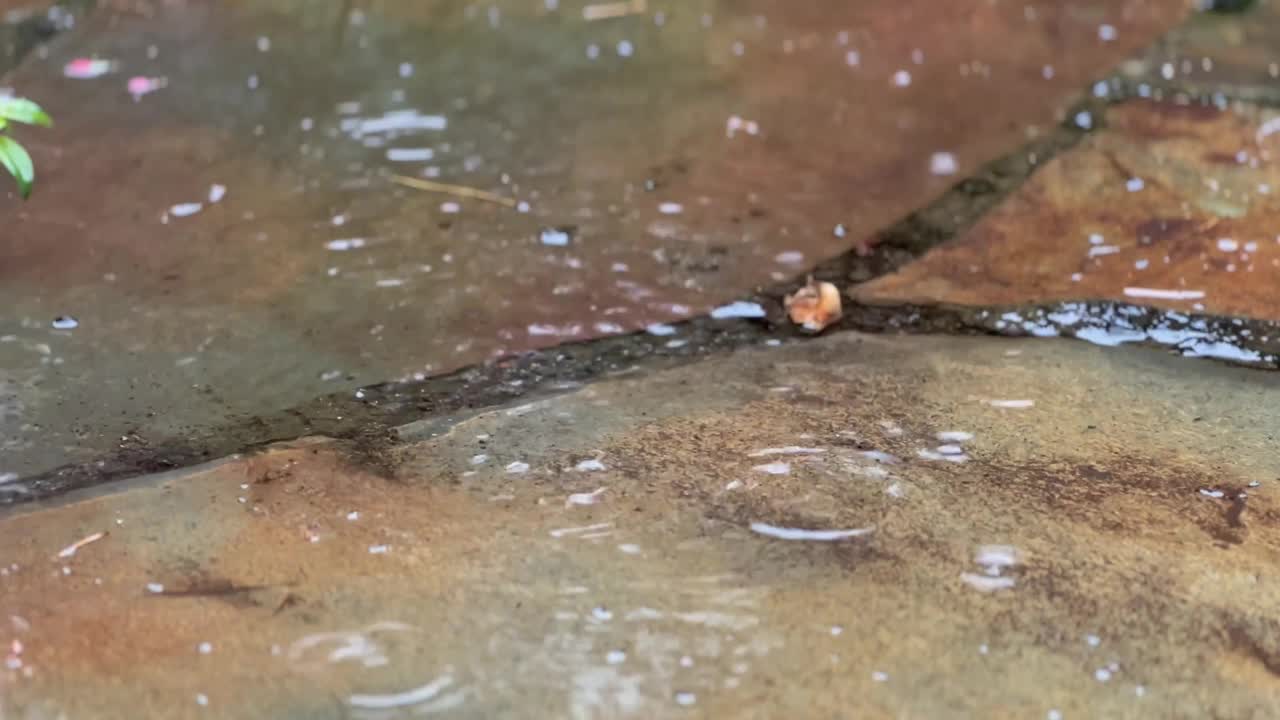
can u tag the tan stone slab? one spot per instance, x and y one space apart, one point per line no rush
1172 206
592 555
623 128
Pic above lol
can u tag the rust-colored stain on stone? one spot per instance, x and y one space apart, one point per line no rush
1174 206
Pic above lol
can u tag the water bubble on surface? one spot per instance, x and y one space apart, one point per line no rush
580 531
398 121
155 588
901 78
418 696
1012 404
586 498
1159 294
735 124
786 450
996 557
670 208
1084 120
987 583
787 533
1134 184
554 237
185 209
1106 33
450 207
379 549
937 456
592 465
65 322
217 192
660 330
943 163
517 468
739 309
954 436
406 154
686 699
774 468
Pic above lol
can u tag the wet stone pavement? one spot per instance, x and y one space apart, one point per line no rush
528 434
660 163
860 526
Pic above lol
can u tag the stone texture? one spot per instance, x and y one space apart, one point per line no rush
1184 199
579 117
1142 583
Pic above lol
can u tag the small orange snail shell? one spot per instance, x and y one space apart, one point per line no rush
814 306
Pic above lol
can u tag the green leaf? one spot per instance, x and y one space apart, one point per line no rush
24 111
16 160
